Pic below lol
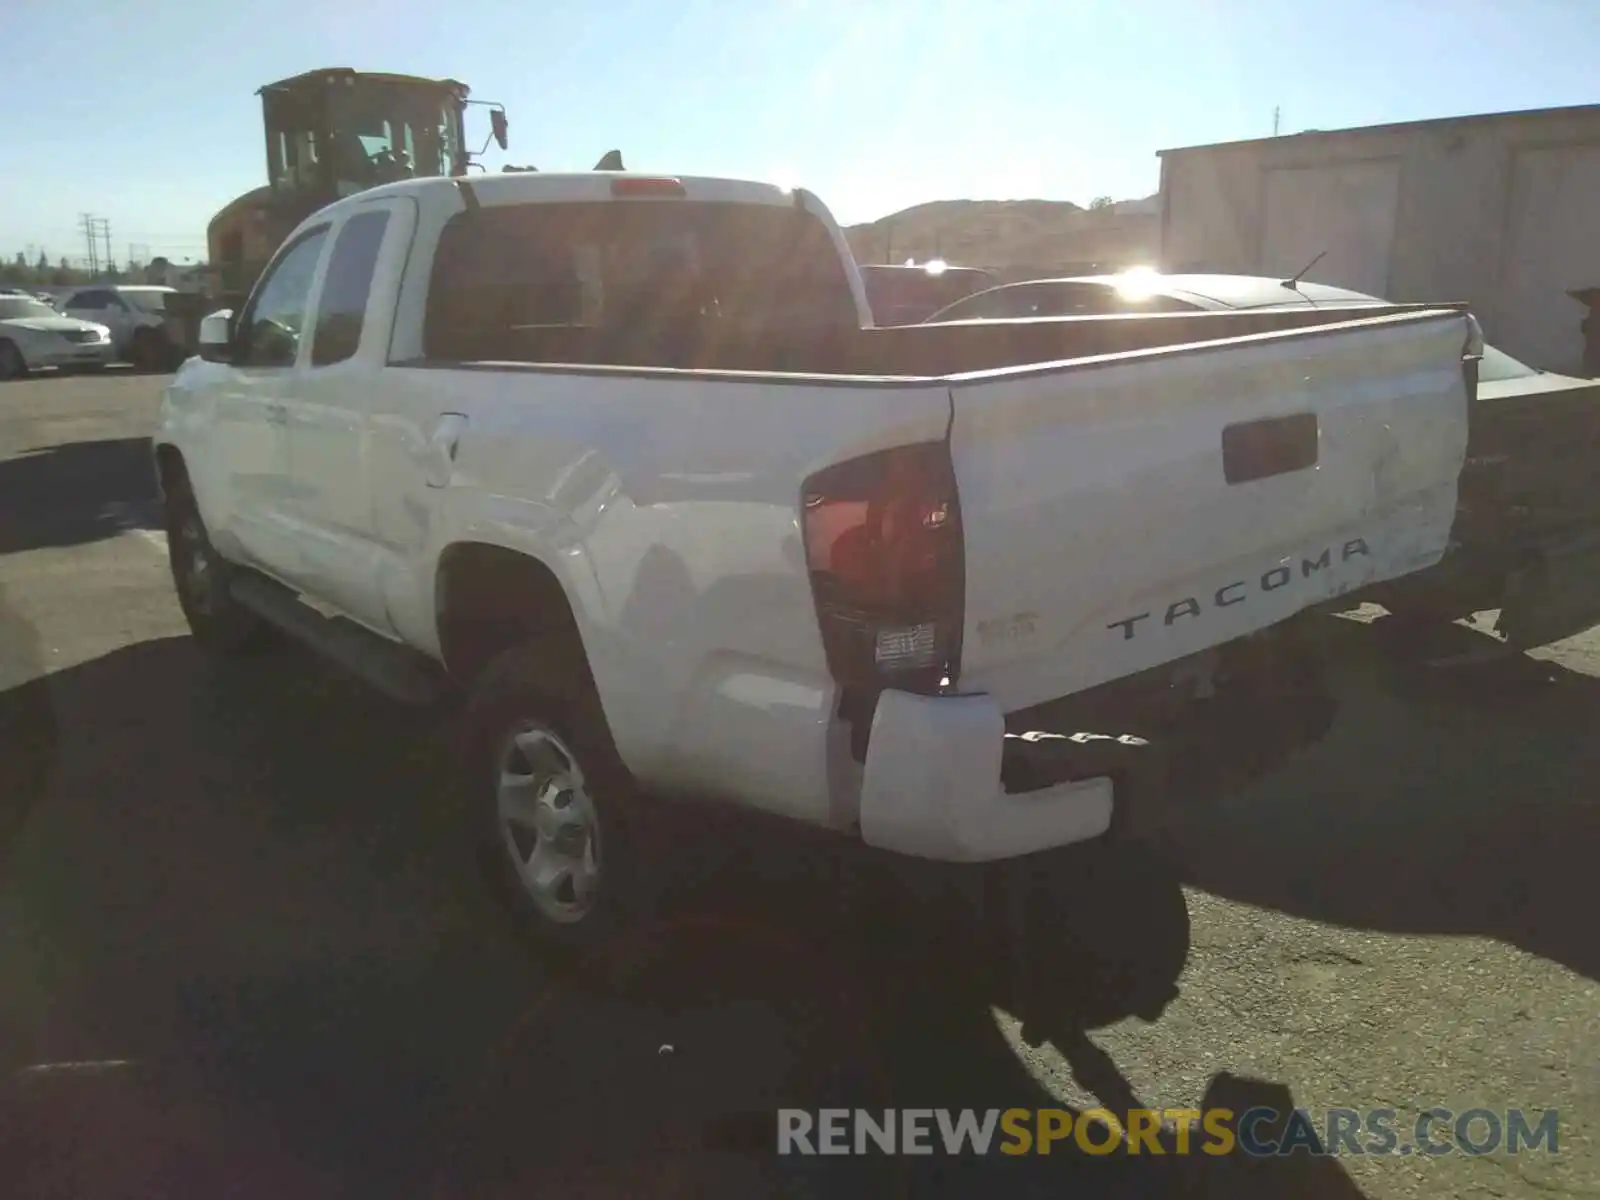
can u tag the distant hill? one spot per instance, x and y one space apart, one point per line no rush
1016 237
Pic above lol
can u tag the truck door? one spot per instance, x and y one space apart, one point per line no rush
328 410
252 411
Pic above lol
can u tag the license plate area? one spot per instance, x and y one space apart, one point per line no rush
1272 446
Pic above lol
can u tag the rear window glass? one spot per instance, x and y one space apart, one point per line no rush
1056 299
150 301
647 266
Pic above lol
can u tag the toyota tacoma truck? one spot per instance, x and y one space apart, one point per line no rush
619 462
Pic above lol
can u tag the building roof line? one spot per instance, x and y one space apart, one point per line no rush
1397 126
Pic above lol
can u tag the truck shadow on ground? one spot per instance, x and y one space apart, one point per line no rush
75 493
28 729
1444 801
242 885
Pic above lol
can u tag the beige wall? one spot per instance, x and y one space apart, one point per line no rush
1462 204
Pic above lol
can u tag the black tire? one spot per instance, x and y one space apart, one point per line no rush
12 364
200 577
535 707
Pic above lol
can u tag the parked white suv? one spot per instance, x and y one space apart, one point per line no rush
136 316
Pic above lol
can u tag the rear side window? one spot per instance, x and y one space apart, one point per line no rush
630 280
342 310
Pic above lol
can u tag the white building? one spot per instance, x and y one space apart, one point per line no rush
1500 210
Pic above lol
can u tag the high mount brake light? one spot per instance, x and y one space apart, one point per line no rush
643 185
885 553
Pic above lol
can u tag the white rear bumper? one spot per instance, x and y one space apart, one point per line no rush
931 787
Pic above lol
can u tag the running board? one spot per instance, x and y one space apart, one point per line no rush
395 670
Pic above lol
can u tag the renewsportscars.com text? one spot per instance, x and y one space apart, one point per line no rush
1258 1132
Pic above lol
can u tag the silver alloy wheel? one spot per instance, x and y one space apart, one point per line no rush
197 573
549 824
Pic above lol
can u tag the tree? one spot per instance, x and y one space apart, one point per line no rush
1100 202
43 265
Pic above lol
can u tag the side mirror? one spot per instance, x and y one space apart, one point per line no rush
497 125
216 336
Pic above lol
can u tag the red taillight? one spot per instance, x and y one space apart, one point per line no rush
884 548
643 185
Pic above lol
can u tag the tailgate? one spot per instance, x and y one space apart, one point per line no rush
1126 511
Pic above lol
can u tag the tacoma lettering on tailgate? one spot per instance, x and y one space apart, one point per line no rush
1239 591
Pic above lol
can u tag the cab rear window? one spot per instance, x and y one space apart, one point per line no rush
645 267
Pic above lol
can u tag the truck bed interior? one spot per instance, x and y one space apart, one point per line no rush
471 334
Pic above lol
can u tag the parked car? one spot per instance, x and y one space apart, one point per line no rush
135 315
1140 291
34 335
1528 527
618 459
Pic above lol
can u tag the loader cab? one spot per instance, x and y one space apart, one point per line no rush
335 132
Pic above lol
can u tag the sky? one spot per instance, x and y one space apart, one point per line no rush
144 112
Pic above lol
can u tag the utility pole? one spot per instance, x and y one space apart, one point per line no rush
105 234
89 230
1277 114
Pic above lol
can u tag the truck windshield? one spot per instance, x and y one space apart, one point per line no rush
751 269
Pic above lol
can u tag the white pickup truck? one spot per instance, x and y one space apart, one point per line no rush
621 460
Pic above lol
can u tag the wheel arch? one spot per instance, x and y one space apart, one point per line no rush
488 598
172 471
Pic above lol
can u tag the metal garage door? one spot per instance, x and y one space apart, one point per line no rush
1347 209
1552 244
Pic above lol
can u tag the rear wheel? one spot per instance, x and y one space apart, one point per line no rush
12 364
200 577
554 807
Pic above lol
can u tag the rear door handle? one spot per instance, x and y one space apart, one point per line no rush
442 447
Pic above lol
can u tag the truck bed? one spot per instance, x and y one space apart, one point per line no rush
1121 509
911 351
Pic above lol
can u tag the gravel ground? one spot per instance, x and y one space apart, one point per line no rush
241 953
